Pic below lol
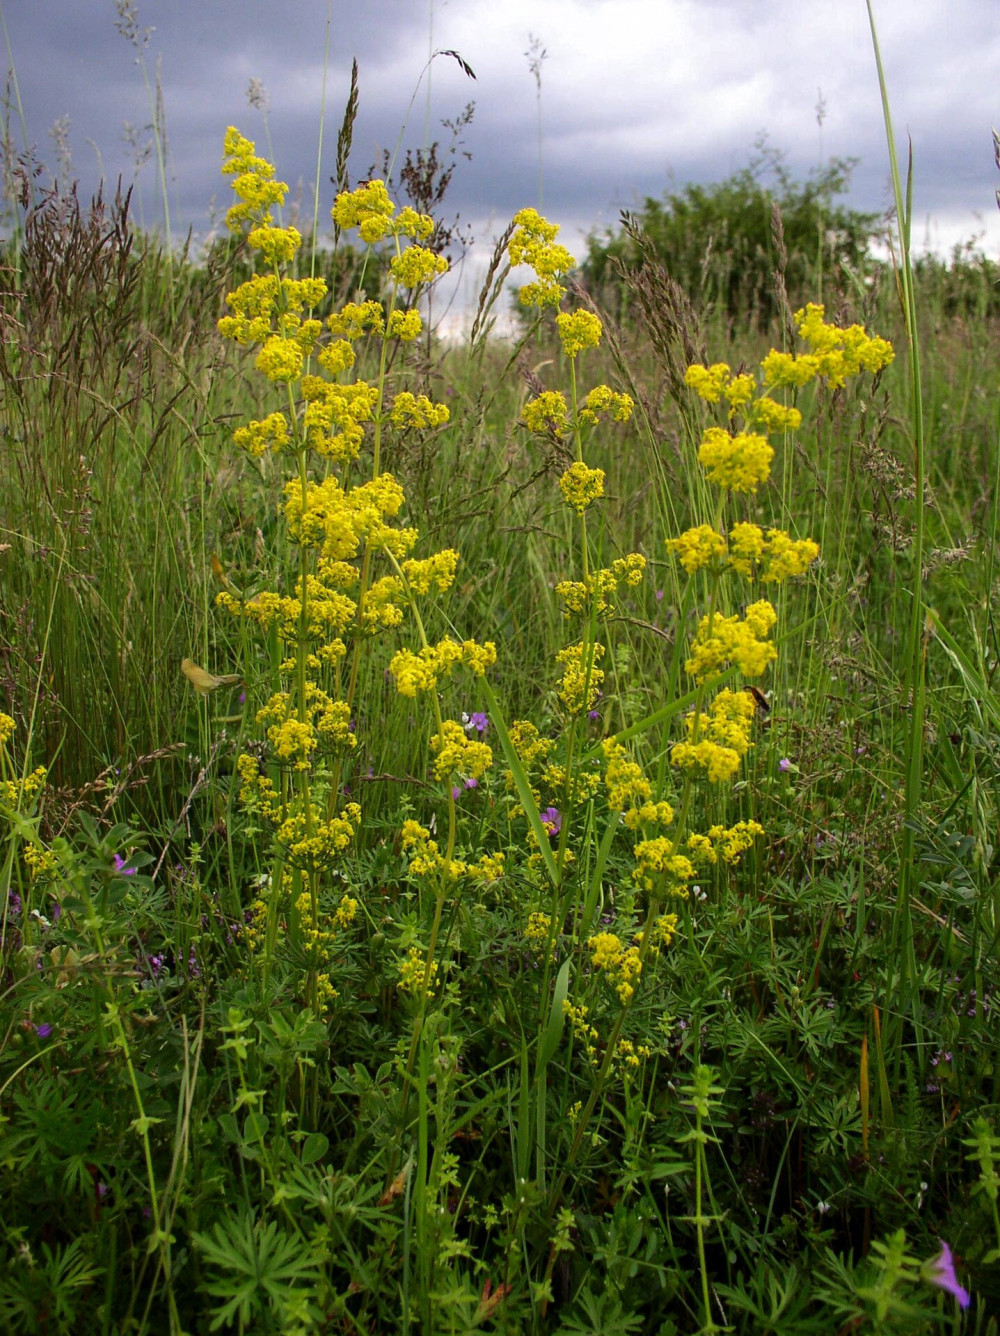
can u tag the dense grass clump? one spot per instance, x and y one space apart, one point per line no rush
484 845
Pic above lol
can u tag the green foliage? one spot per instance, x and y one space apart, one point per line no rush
723 242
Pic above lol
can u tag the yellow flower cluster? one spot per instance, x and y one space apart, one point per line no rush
339 522
536 932
334 418
630 792
294 740
455 752
7 727
356 319
420 672
266 306
721 641
735 840
581 679
370 210
409 410
581 486
619 962
547 414
716 382
717 741
603 401
596 593
42 863
835 353
259 436
698 547
577 331
749 552
319 941
657 861
737 463
578 788
427 861
437 571
534 243
584 1032
14 793
416 266
416 977
405 325
312 841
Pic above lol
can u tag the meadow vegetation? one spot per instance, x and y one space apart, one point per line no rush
498 834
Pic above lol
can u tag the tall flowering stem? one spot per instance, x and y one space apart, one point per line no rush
337 603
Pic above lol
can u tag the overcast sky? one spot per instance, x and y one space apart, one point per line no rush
635 97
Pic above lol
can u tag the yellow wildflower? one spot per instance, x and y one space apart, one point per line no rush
577 331
581 486
737 463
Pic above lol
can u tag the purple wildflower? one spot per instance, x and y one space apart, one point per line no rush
552 820
14 905
44 1030
477 722
784 764
122 868
940 1271
471 783
456 791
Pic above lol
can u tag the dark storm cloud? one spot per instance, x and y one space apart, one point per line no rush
636 95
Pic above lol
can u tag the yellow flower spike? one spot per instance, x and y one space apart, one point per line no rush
581 680
746 547
772 416
547 413
278 245
415 977
738 392
787 557
533 243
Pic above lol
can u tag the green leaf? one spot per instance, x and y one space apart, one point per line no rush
521 784
557 1018
314 1148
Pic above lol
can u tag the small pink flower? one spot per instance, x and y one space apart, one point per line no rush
940 1271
